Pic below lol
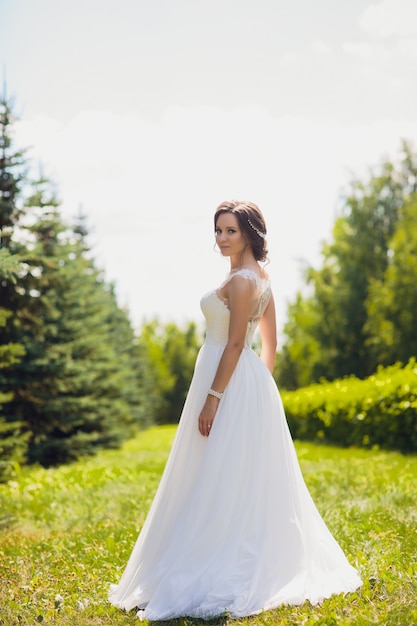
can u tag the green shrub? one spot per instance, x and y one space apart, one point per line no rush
379 411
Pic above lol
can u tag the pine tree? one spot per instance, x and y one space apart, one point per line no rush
13 439
74 388
12 175
70 390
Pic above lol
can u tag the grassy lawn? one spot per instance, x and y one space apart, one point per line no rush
66 533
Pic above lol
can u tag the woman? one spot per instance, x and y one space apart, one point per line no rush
232 528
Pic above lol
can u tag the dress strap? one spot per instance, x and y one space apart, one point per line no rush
245 273
260 296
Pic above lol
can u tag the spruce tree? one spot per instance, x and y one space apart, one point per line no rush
12 174
74 389
13 439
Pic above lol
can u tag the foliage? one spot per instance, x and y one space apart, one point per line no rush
13 439
73 388
68 531
13 443
168 354
379 411
392 300
295 363
12 174
327 333
70 389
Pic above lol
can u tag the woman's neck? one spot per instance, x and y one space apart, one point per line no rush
247 261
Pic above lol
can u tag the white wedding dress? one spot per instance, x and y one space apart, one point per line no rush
232 528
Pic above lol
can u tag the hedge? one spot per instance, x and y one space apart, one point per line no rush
380 411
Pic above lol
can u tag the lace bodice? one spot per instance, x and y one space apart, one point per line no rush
216 312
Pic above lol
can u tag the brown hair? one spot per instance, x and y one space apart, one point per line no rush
251 222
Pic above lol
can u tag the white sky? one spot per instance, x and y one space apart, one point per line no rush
150 113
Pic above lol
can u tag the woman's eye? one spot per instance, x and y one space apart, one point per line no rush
230 231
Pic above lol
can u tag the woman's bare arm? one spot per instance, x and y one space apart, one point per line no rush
239 299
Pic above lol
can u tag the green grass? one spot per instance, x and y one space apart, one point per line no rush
66 533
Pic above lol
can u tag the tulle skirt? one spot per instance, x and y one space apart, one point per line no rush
232 528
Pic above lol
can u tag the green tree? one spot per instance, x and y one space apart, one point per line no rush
74 388
180 349
155 379
168 355
297 359
70 390
392 300
12 174
334 334
13 439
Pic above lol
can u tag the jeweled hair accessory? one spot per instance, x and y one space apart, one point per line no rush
258 232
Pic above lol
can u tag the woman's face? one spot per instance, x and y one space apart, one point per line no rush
229 237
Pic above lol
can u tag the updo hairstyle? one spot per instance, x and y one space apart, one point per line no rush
251 222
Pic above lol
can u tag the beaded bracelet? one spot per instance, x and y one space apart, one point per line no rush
216 394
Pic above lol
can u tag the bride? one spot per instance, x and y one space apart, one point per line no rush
233 529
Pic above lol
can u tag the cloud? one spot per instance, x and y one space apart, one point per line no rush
390 17
367 50
290 60
150 190
408 48
321 48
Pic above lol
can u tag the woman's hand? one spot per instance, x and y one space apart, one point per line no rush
207 415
